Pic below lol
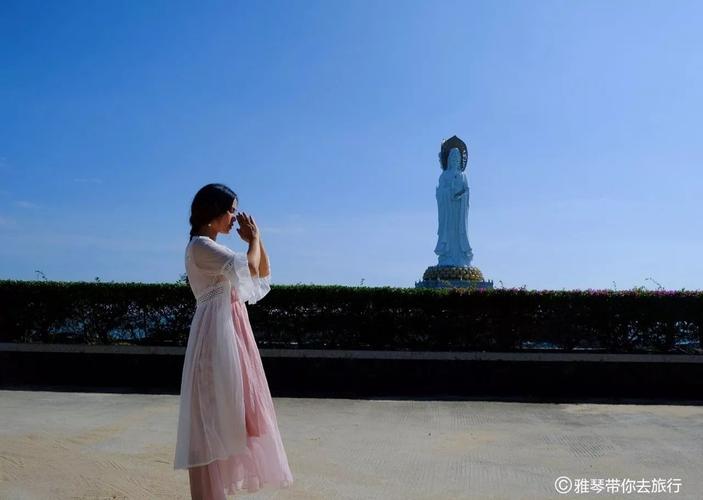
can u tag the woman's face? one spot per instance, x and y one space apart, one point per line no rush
226 221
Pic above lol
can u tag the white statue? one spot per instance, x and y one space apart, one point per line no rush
453 246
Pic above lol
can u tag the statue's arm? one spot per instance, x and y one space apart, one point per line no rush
462 189
462 185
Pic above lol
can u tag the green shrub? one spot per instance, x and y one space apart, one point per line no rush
336 317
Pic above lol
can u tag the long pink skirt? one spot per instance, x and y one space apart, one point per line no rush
264 463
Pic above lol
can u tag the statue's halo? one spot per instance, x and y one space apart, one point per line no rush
447 145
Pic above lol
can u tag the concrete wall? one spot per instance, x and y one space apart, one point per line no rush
330 373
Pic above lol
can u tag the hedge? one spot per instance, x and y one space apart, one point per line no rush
310 316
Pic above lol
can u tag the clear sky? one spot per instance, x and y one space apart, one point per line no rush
583 121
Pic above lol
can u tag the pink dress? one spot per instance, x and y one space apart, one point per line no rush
226 416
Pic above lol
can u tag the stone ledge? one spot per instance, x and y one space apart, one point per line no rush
591 357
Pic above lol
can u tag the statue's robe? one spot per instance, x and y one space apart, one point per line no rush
453 246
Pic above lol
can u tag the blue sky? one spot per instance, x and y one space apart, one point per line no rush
583 121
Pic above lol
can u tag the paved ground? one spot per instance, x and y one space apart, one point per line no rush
57 445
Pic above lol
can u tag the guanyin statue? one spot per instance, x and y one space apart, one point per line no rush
452 194
453 249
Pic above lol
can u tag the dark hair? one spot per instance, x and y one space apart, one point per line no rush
209 202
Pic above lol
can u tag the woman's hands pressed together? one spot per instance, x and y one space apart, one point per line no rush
247 230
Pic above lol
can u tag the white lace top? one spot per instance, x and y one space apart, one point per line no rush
209 265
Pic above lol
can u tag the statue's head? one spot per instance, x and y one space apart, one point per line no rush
454 159
447 146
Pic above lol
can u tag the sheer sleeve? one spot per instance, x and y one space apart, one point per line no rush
250 288
214 259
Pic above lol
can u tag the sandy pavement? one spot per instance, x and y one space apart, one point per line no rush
59 445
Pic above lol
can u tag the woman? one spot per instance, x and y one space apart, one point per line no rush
228 436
